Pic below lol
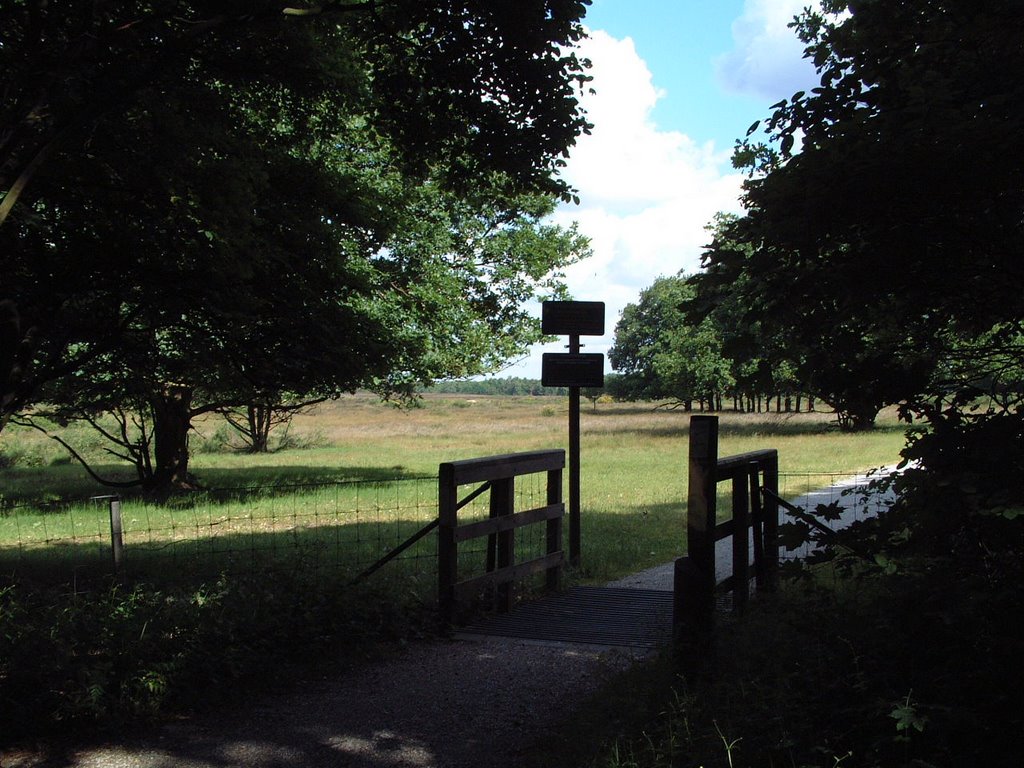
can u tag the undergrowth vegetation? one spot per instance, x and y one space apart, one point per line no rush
880 671
119 654
898 643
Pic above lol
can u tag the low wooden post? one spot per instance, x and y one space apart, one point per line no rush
701 509
116 531
116 535
692 612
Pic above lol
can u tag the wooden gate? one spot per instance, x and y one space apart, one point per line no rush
497 475
749 473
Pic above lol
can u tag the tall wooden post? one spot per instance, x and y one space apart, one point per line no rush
573 370
574 464
701 510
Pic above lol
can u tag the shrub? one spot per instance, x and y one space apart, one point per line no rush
127 653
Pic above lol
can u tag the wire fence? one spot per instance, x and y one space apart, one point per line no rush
852 494
339 528
331 527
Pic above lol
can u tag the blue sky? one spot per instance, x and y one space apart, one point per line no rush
684 44
677 82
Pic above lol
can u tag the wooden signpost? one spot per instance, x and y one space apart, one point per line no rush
573 370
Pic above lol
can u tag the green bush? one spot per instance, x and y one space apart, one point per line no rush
223 439
19 456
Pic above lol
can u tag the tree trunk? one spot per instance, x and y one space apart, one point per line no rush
172 421
259 416
862 418
15 357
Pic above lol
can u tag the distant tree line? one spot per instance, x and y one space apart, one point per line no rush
511 386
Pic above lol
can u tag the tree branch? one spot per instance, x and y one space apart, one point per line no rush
28 422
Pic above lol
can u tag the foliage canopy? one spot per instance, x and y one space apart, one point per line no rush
233 207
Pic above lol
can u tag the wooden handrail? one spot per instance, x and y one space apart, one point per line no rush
497 473
503 466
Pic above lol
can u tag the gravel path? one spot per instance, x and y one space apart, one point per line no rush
439 704
444 704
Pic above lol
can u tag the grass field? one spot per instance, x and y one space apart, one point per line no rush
633 459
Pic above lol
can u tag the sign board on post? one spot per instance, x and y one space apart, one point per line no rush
568 370
573 370
572 318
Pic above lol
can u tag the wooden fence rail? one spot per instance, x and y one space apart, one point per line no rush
497 473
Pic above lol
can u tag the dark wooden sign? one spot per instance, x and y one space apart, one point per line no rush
568 370
573 318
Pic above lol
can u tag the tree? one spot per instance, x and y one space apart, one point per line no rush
638 340
238 240
884 216
476 101
790 340
254 422
660 354
883 234
593 394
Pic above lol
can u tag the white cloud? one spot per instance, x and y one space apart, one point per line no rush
767 58
646 194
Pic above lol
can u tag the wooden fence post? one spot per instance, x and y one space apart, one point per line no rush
757 523
116 535
701 510
553 528
741 538
771 522
447 549
502 504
